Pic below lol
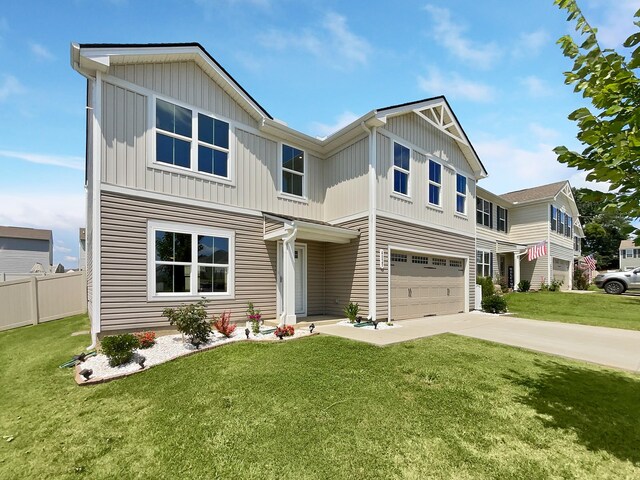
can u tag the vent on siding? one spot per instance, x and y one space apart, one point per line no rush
419 259
398 257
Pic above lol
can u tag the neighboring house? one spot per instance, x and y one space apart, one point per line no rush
629 255
82 249
511 223
194 190
21 248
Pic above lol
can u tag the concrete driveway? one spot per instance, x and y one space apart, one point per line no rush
611 347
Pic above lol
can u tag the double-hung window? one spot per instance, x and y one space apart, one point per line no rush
484 215
189 261
483 263
435 182
292 171
569 226
560 222
213 146
502 218
554 219
461 194
401 168
173 134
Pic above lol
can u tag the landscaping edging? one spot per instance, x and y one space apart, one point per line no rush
79 379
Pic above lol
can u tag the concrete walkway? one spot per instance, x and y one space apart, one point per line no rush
611 347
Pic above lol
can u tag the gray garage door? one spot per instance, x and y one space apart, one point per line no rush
424 285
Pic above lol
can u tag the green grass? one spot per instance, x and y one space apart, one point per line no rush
321 407
600 309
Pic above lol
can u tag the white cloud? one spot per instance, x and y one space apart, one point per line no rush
449 34
10 86
61 249
47 210
232 3
69 258
616 20
323 130
435 83
536 87
41 52
531 43
76 163
331 41
542 133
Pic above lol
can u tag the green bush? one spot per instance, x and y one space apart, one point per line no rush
351 311
119 348
555 285
580 279
494 304
487 286
524 285
190 320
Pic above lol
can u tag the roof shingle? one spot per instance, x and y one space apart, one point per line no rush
535 193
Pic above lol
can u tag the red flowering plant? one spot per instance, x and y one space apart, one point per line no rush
146 339
224 325
284 331
254 317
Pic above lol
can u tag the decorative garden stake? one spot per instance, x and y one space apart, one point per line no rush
80 358
375 324
281 336
311 327
141 361
247 332
86 373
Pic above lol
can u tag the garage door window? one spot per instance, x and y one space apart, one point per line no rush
419 259
455 263
398 257
441 262
483 263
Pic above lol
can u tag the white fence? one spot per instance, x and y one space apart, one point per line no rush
40 299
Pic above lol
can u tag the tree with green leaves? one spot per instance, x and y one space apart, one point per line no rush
610 130
603 229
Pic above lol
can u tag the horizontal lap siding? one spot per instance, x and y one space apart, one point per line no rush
346 271
124 303
534 271
393 232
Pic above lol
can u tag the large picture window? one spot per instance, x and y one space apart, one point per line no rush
189 260
461 194
484 214
435 182
401 168
292 171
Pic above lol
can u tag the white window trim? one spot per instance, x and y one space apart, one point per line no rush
465 195
483 212
194 140
286 195
487 264
431 182
394 167
154 226
506 219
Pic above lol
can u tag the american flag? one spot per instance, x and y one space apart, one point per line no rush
538 250
590 261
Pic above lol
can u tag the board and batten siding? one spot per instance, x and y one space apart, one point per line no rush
254 158
124 223
394 233
347 181
416 206
347 271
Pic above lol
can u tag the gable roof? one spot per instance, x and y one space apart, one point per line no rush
25 233
543 192
627 244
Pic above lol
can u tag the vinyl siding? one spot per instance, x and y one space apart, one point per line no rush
19 255
529 223
315 277
346 181
346 271
562 202
417 207
124 261
393 232
535 271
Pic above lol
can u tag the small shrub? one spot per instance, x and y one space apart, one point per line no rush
544 287
502 281
190 320
580 279
351 311
146 339
254 317
524 285
224 325
284 331
119 348
555 285
487 286
494 304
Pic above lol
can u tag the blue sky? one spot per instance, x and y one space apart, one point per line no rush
316 65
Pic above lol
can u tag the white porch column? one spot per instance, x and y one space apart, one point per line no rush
516 270
288 315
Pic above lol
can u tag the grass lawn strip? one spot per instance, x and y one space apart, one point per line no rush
442 407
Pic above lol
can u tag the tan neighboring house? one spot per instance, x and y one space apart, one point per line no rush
21 248
629 255
82 249
511 223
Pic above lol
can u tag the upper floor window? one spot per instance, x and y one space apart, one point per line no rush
484 212
502 218
435 182
561 222
292 171
461 193
213 146
576 243
554 218
568 230
173 134
401 168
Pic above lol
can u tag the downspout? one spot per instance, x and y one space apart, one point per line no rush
372 270
285 243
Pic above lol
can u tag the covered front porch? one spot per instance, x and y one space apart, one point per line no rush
508 257
306 278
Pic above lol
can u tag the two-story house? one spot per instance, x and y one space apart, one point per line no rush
629 255
21 248
194 190
512 223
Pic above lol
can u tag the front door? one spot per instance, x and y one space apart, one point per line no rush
301 270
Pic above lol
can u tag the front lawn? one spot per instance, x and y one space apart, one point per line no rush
600 309
320 407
